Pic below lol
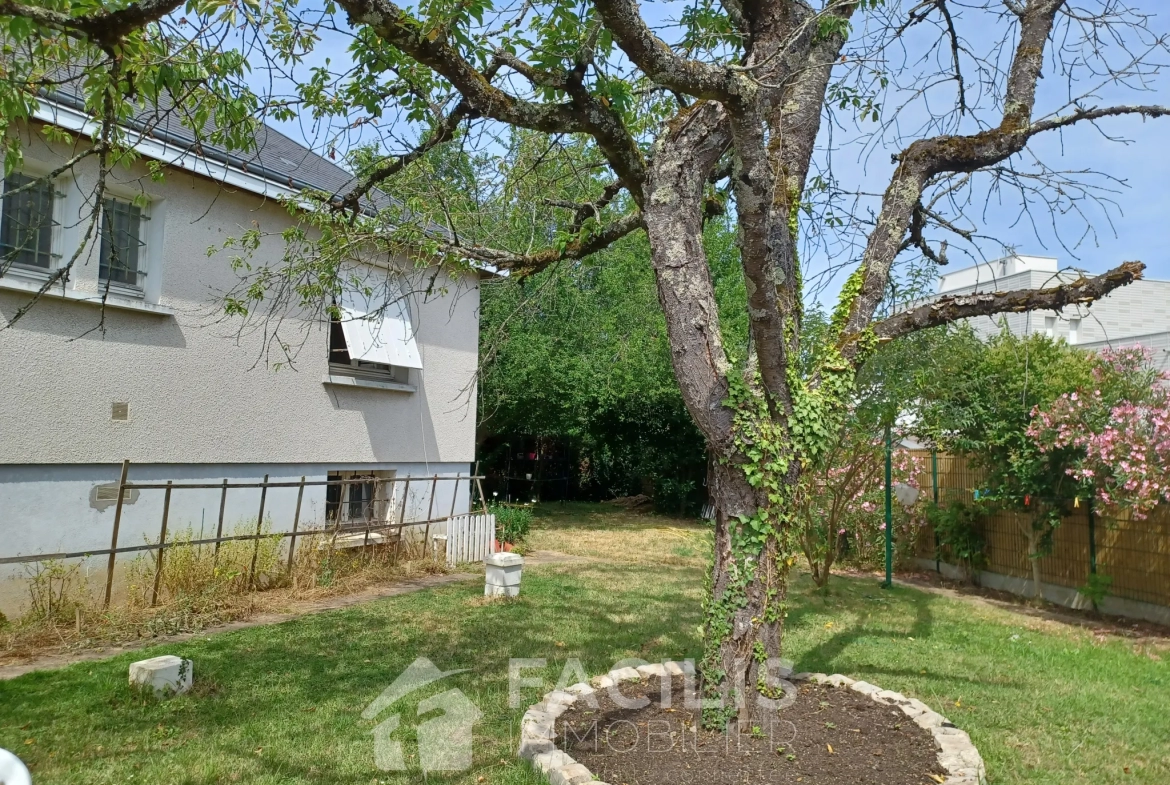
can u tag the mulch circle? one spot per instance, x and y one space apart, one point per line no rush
826 737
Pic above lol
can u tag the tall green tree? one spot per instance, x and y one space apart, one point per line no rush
724 107
579 352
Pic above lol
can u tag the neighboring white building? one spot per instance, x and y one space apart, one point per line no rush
177 389
1137 313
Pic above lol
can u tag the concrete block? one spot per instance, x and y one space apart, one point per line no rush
560 696
673 668
573 774
553 759
864 687
929 719
166 675
625 674
653 669
502 574
889 697
531 746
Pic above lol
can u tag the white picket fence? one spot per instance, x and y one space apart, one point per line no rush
470 538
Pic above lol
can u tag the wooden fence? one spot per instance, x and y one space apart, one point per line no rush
470 538
1133 553
370 530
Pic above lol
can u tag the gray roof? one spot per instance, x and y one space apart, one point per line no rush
276 157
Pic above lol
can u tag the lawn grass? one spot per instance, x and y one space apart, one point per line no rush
1045 703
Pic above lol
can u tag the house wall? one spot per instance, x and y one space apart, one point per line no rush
204 402
199 389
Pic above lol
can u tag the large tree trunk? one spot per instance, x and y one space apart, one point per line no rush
744 614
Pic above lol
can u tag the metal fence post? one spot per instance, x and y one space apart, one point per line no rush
934 486
889 512
259 526
1092 537
292 543
162 545
117 525
219 526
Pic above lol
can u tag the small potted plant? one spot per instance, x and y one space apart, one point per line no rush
512 524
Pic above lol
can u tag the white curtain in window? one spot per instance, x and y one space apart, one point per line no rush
378 327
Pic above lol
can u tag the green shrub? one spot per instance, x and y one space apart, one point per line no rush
512 522
958 528
1095 589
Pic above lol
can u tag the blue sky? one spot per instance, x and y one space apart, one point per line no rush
1141 164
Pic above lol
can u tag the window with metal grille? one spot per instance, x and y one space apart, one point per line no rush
26 228
361 501
122 244
355 500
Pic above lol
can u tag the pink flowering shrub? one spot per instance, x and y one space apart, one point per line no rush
843 505
1117 432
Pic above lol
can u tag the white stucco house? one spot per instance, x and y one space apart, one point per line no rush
1134 314
181 391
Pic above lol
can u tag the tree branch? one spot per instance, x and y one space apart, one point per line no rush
946 310
105 29
527 264
444 131
655 58
1080 114
399 29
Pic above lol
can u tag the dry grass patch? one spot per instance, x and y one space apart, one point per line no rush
614 534
198 589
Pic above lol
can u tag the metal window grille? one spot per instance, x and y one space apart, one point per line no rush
361 501
121 252
26 228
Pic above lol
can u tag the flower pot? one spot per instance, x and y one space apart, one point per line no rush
505 547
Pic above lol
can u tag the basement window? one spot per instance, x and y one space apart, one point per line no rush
364 497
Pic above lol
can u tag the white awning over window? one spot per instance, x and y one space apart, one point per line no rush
378 328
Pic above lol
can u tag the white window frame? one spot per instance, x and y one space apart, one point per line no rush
33 168
359 372
152 235
1050 326
1074 331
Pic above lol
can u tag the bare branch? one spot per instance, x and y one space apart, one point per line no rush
1095 114
950 309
